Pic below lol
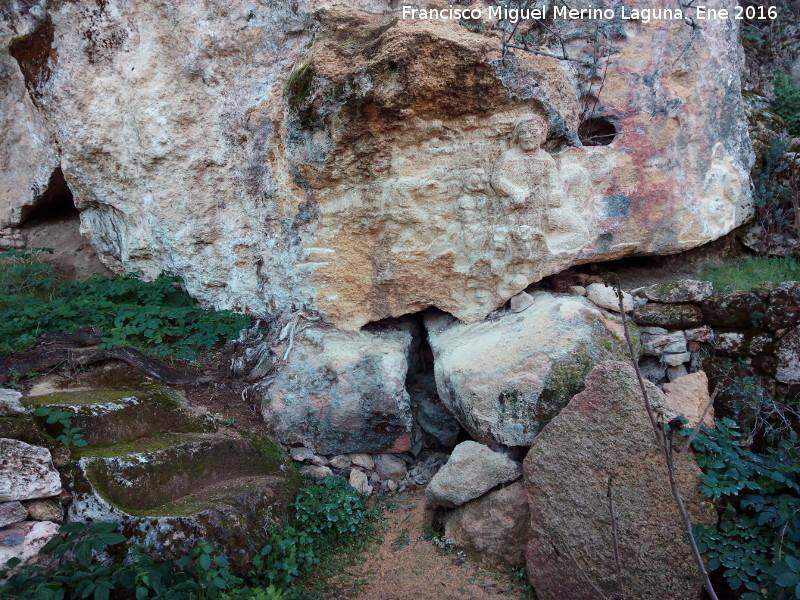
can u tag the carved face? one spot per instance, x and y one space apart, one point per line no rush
531 134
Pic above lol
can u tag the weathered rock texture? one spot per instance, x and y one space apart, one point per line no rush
604 433
494 527
504 379
27 153
352 173
26 472
342 391
25 540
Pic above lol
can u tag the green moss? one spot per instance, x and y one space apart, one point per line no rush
153 443
566 380
25 429
299 90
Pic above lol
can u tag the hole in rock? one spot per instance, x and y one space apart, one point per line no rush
53 221
596 131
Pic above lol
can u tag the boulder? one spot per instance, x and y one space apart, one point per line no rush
734 309
493 527
363 460
606 297
504 379
675 292
688 396
390 467
24 541
668 316
315 471
45 510
787 352
10 404
472 470
375 183
26 472
339 462
784 306
12 512
742 342
341 392
604 435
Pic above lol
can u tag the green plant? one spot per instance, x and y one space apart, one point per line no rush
158 316
750 272
787 101
773 196
69 435
757 542
402 540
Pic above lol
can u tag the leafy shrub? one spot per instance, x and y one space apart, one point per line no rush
329 510
757 542
69 435
772 190
157 316
749 272
787 101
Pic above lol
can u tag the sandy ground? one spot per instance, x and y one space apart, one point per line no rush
406 566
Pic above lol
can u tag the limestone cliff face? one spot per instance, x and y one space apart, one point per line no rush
331 155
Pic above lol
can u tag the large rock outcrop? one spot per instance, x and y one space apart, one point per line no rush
27 153
505 378
349 172
604 433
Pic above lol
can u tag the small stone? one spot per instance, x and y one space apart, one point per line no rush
341 461
10 404
319 461
315 471
360 482
473 470
375 479
682 290
663 343
45 510
673 360
674 373
700 334
363 460
301 454
521 302
12 512
652 369
577 290
391 485
693 346
388 466
606 297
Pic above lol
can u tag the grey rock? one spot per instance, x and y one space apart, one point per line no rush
438 422
26 472
388 466
787 351
606 297
363 460
301 454
10 404
663 343
733 309
45 510
681 290
493 527
673 360
520 302
700 334
360 482
315 471
12 512
674 373
24 540
670 316
473 470
341 461
652 369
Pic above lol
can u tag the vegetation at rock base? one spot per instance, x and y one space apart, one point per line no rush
756 545
750 272
787 101
157 317
332 523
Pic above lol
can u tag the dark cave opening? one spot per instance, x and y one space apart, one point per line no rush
596 131
56 203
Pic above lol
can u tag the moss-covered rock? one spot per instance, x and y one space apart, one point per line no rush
668 316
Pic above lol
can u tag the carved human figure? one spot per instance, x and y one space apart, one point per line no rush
529 180
721 188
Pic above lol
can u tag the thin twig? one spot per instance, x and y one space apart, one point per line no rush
666 447
699 423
